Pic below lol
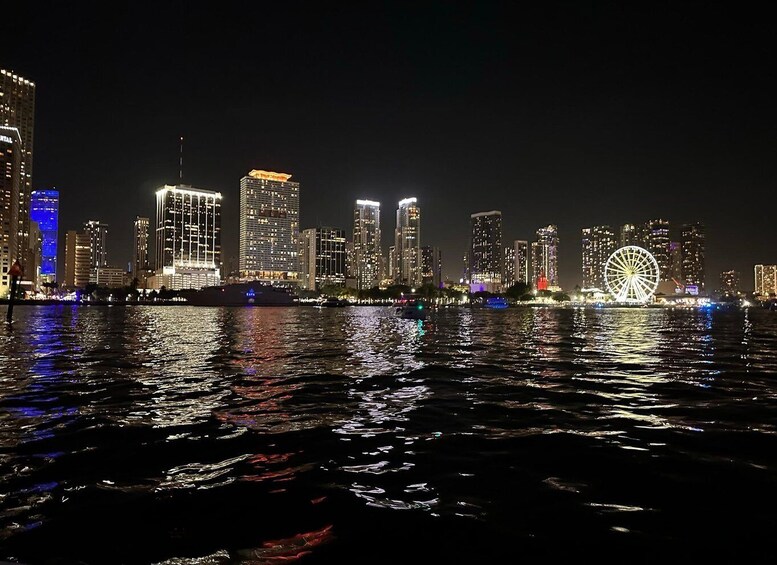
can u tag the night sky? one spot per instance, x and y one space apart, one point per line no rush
570 113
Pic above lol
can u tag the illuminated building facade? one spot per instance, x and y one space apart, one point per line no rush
599 242
140 262
766 280
545 259
322 258
111 277
693 245
407 243
17 110
508 271
521 260
98 237
366 244
656 240
269 227
188 238
630 235
78 259
431 266
10 182
44 210
486 254
729 282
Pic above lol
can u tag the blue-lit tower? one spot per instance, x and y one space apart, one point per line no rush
44 210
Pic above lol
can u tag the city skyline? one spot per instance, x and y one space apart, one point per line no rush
575 158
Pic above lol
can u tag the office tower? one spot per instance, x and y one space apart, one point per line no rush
140 262
599 242
729 282
10 183
485 252
188 238
407 243
766 280
508 272
78 259
44 210
366 244
545 259
630 235
111 277
269 227
656 240
17 110
693 244
521 261
322 257
98 237
676 261
431 266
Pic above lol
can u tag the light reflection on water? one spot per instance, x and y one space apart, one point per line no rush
328 413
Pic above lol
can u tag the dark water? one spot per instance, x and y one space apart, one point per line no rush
183 435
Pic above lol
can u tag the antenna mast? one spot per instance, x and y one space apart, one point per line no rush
180 164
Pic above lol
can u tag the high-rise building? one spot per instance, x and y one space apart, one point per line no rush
10 182
17 110
656 240
366 244
486 252
508 271
140 262
44 209
599 242
269 227
98 237
766 280
431 266
521 260
78 259
729 282
322 258
693 244
630 235
676 261
188 238
407 243
545 259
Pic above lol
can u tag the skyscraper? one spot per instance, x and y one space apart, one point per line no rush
676 261
599 242
407 243
78 259
269 227
630 235
729 282
17 109
366 244
508 271
188 238
140 262
521 261
486 253
545 259
322 258
44 209
766 280
656 240
693 244
98 237
10 182
431 266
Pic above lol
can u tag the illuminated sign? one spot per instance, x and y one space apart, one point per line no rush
6 139
269 175
692 289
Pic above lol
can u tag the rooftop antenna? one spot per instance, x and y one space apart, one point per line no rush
180 164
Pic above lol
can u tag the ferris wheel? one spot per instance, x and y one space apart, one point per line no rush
631 274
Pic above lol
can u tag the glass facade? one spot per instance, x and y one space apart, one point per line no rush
44 209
